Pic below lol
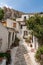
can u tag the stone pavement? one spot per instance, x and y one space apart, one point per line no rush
22 57
30 53
13 53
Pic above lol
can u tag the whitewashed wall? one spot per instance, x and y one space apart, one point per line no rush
4 37
35 42
25 16
17 26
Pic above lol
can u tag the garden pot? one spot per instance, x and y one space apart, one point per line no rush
8 51
1 59
30 38
31 45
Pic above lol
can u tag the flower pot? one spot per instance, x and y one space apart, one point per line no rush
8 51
30 45
28 41
30 38
1 59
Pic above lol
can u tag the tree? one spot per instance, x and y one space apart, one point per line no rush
30 23
1 13
35 24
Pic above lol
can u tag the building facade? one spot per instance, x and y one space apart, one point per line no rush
24 33
7 34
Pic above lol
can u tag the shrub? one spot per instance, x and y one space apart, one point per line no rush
39 52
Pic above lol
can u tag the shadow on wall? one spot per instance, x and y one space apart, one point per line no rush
16 42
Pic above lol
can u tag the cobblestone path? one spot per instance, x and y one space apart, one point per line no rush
22 57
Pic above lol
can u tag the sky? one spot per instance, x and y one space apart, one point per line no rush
27 6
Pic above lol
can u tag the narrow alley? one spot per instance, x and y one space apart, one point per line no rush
20 56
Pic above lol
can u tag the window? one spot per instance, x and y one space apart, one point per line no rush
21 26
25 33
24 18
14 24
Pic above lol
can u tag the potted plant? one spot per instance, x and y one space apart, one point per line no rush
30 37
1 57
28 40
30 45
5 55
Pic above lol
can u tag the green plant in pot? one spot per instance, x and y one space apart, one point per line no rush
4 55
30 37
1 56
28 40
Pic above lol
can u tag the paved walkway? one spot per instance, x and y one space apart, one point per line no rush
3 62
22 57
31 54
13 53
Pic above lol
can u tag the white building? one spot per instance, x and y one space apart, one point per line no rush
22 26
10 28
7 34
3 38
24 32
